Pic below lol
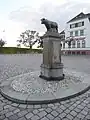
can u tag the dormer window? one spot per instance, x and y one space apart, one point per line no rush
80 24
72 26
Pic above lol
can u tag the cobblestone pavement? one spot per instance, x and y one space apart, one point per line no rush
77 108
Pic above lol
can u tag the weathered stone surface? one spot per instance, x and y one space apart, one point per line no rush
49 116
35 117
22 113
13 117
22 118
52 68
48 110
62 115
44 118
16 110
23 106
12 66
29 115
54 113
2 117
35 111
42 114
15 104
9 114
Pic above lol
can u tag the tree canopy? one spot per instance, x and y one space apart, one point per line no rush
2 42
29 38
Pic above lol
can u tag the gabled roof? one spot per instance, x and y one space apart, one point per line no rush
80 16
63 32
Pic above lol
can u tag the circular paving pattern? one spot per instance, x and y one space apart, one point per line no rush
30 88
32 84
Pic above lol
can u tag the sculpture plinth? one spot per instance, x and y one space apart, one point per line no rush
51 68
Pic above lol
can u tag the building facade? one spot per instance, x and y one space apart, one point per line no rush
77 35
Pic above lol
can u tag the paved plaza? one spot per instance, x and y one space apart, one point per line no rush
77 108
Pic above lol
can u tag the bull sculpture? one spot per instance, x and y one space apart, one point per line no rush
50 26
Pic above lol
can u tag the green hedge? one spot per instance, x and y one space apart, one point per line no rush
15 50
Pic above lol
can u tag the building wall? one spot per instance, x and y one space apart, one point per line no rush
76 52
88 33
86 28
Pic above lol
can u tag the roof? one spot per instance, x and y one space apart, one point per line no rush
63 32
80 16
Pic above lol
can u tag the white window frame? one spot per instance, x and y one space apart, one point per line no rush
77 32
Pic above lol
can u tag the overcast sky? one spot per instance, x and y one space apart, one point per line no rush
19 15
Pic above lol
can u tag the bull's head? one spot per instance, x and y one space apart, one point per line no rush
42 20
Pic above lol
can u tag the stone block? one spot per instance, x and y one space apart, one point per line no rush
50 117
42 114
29 115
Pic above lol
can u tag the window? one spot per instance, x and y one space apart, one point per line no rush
63 45
77 25
73 44
81 32
78 44
76 33
72 26
71 33
80 24
83 44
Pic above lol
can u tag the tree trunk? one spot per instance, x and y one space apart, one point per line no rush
30 46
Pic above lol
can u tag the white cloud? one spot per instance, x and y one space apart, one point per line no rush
60 11
31 11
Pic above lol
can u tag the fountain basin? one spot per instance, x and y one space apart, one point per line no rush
29 88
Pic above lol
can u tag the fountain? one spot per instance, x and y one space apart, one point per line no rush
52 83
51 68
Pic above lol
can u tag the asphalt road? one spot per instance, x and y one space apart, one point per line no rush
11 65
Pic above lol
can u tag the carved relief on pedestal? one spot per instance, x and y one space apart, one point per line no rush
56 52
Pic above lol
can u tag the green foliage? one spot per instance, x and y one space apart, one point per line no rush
2 43
29 38
40 43
15 50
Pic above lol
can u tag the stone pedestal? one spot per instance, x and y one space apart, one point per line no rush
51 68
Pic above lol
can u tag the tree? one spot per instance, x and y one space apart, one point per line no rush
69 42
39 41
2 43
29 38
19 45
